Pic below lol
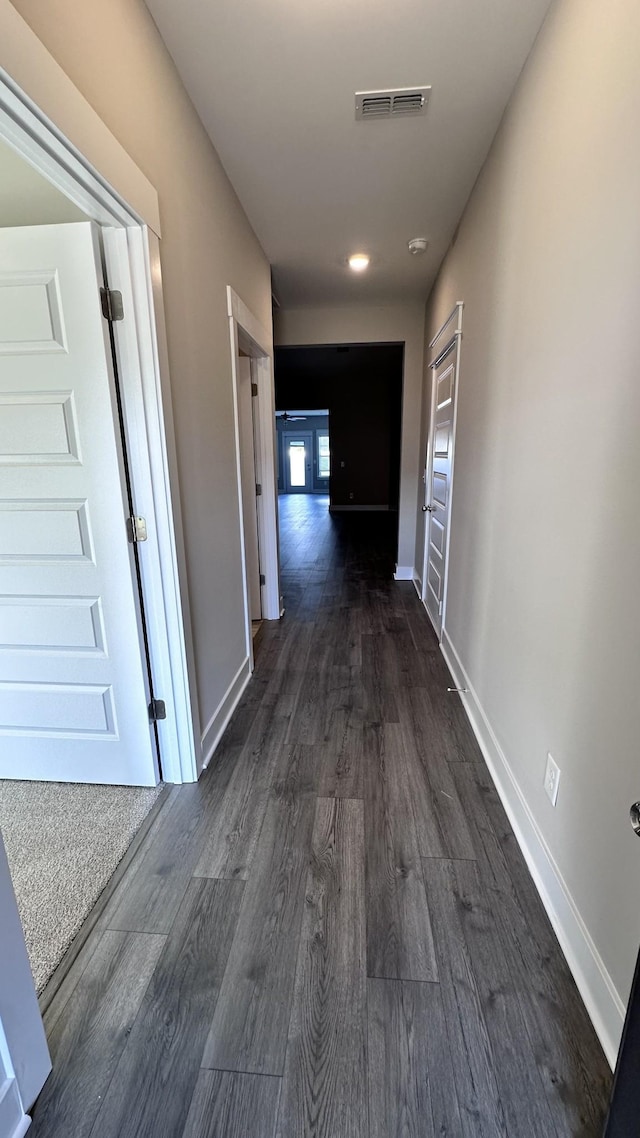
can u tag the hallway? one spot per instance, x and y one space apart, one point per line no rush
334 933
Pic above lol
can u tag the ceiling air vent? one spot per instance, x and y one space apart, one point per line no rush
392 104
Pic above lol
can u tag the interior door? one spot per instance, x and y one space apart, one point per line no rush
73 678
437 506
298 462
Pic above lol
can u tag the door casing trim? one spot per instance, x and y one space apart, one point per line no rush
256 341
27 130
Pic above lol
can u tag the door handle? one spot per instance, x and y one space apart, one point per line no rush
428 509
634 815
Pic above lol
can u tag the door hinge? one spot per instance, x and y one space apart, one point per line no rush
112 306
157 710
258 489
254 388
136 529
263 579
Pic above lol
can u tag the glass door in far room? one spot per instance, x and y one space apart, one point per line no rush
298 462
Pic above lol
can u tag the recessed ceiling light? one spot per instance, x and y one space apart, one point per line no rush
358 262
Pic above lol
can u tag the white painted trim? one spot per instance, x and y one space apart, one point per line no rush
246 604
455 311
24 1054
238 311
22 1127
13 1121
258 341
404 573
216 726
40 99
603 1002
359 509
418 585
129 270
268 501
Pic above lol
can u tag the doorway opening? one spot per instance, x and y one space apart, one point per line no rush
251 488
346 444
252 376
304 451
75 676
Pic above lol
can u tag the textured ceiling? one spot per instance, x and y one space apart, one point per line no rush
274 83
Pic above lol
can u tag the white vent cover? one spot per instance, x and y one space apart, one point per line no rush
392 104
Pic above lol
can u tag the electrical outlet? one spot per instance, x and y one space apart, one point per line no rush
552 779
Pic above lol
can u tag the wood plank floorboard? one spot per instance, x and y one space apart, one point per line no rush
229 846
399 936
481 1110
249 1029
334 933
153 1084
573 1069
441 820
412 1081
230 1105
324 1084
91 1032
341 757
153 888
517 1076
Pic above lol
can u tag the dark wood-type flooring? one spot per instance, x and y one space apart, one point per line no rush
334 933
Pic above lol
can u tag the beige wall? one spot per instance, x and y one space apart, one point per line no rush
545 544
368 325
116 58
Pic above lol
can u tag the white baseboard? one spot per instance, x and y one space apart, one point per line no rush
418 584
603 1003
404 573
214 730
360 509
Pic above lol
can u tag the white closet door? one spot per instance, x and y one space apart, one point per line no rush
438 482
73 680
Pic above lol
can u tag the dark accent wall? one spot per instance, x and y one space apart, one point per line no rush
362 387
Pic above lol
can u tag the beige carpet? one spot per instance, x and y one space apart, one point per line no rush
63 842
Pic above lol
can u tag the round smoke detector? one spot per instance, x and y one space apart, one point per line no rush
417 245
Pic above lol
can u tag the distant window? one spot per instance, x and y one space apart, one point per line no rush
324 458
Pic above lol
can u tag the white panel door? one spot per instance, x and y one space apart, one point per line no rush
438 482
73 680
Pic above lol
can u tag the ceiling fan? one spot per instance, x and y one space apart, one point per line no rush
289 418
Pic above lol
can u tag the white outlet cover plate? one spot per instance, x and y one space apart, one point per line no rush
552 779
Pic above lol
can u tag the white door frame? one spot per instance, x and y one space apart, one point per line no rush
256 341
24 1055
449 330
133 255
